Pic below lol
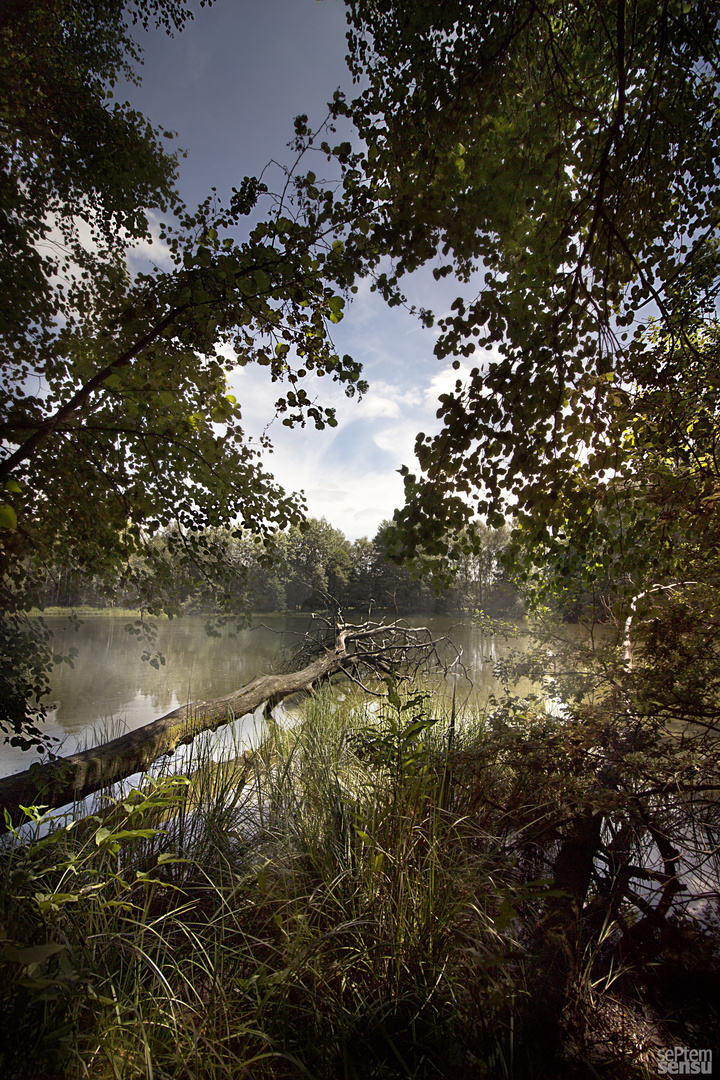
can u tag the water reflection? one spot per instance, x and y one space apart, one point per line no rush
110 689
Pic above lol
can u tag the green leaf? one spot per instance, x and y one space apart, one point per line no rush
33 954
134 834
8 517
167 858
262 280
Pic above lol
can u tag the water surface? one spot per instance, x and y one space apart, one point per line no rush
110 689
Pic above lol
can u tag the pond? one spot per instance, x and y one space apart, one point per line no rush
110 689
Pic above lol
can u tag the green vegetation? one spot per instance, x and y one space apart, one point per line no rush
557 160
116 420
307 567
382 892
531 893
86 609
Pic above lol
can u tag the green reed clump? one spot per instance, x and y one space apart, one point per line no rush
334 907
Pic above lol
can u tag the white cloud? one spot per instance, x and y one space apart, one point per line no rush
148 253
349 473
444 382
386 399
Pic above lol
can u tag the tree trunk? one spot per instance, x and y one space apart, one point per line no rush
71 779
558 939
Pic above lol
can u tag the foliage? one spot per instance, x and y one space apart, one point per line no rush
311 566
115 413
391 895
396 743
75 878
630 752
79 171
318 561
289 928
560 159
565 152
654 523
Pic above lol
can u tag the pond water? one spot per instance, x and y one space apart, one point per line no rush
111 689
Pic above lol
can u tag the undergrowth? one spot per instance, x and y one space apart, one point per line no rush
357 903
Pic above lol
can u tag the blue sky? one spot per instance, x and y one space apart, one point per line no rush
230 86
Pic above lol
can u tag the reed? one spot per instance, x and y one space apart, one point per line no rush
332 916
362 904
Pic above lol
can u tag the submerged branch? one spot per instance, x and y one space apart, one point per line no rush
384 648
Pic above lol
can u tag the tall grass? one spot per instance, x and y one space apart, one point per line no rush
327 910
352 901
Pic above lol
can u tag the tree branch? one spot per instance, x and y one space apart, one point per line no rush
46 427
330 651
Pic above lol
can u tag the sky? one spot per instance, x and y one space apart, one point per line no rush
230 85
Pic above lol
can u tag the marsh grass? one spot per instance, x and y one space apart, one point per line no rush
323 909
87 610
362 897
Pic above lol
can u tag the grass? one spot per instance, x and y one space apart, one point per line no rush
127 612
353 903
88 610
323 918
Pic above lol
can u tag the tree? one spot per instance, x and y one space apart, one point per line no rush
655 522
115 416
332 647
560 159
318 564
393 586
479 584
79 172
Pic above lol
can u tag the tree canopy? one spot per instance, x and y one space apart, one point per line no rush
560 159
116 418
79 171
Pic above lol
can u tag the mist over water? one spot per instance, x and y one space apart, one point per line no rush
110 689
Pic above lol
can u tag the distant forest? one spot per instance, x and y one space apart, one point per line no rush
303 569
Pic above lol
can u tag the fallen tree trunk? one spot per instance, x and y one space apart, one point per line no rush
73 778
375 647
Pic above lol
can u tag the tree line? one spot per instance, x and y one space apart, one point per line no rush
313 566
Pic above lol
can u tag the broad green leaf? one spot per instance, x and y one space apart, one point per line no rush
8 517
33 954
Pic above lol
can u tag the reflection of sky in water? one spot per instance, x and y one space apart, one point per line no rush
111 690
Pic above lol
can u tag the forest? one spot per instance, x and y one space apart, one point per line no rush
310 568
403 883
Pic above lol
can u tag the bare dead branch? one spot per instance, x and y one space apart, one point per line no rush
373 648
